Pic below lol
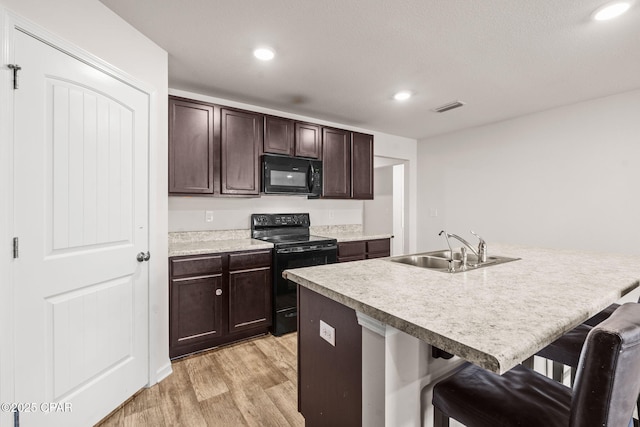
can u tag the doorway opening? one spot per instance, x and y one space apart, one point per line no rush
387 212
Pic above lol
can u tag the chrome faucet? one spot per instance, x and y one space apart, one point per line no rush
482 248
481 253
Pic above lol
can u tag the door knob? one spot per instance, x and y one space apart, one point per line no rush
143 256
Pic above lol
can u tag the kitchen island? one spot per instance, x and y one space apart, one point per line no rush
494 317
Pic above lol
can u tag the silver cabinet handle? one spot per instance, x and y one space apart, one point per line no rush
218 292
143 256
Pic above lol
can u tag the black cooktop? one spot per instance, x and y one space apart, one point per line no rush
295 239
285 230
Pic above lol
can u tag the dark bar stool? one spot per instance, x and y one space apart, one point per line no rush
566 349
605 391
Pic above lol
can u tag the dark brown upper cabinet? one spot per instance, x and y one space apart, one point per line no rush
308 140
215 150
191 147
291 138
362 166
336 163
278 135
241 141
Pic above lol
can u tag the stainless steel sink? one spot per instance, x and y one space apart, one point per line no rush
448 263
425 261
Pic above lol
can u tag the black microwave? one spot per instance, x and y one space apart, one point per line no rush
291 175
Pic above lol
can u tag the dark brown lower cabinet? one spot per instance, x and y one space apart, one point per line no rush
378 248
329 377
363 249
249 291
217 299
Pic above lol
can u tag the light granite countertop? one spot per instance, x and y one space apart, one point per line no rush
216 246
494 317
215 241
208 242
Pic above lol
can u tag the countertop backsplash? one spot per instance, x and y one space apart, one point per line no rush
207 236
319 230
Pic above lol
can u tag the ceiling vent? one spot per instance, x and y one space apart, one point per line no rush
449 106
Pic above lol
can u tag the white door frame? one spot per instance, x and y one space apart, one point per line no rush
9 23
400 201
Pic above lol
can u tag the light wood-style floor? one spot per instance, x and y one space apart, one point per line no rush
253 383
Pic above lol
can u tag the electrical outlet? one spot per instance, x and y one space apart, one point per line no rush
328 333
433 212
208 216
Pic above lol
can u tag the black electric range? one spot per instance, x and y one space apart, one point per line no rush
294 247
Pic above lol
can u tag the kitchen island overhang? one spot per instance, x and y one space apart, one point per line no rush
494 317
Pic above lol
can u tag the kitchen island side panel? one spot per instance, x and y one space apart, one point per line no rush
329 377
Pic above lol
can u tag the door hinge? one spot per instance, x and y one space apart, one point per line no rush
16 418
16 248
15 68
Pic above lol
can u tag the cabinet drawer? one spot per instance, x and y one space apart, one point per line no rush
351 258
349 249
247 260
378 255
196 265
380 245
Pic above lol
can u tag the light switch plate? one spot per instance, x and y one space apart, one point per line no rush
208 216
328 333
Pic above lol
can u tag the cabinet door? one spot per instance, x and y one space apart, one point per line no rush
278 135
191 148
195 313
307 140
352 251
362 166
336 163
241 139
249 299
378 248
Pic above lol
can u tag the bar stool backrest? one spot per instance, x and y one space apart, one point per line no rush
608 378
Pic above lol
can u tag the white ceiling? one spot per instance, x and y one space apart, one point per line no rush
342 60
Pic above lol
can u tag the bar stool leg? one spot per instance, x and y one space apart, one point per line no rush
528 363
439 418
558 372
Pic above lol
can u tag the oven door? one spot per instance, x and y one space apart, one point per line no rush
285 311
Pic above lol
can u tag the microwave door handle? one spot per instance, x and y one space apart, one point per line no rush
310 177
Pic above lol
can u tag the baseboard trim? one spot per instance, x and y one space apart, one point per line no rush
163 372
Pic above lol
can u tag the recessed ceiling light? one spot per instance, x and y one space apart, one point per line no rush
264 53
611 10
402 95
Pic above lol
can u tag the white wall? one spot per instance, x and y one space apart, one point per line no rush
566 178
188 213
89 25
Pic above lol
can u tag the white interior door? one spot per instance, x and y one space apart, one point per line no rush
81 216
